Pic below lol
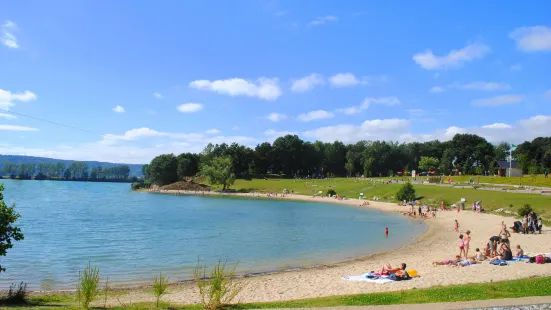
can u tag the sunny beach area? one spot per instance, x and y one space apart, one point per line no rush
439 243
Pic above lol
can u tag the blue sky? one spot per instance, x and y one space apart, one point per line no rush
171 76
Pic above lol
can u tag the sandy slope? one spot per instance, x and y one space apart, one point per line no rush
438 243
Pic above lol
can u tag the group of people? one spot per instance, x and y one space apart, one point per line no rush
530 224
416 209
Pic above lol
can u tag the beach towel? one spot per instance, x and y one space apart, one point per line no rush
368 277
499 262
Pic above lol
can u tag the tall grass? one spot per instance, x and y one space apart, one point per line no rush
88 285
160 287
17 294
216 285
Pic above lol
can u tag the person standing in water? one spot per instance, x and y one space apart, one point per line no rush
386 231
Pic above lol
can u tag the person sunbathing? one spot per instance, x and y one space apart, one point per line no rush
448 261
465 263
388 270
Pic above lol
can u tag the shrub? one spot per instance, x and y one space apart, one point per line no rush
16 294
524 210
88 285
160 286
331 192
140 185
218 289
406 192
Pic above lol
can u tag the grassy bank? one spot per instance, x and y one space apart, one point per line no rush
466 292
527 180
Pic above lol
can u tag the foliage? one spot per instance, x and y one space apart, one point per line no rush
406 192
139 185
428 163
217 286
524 210
188 165
160 287
219 171
163 170
17 294
8 232
88 285
331 192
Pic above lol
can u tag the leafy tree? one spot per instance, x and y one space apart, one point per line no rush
406 192
163 169
8 232
145 171
446 163
428 163
219 171
502 151
188 165
263 158
470 151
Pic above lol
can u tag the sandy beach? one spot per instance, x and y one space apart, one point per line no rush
438 243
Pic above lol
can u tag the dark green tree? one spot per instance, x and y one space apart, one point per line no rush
8 231
406 192
163 169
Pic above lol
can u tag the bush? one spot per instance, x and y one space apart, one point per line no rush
331 192
524 210
88 283
406 192
218 288
139 185
160 286
16 294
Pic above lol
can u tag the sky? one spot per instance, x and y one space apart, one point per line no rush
124 81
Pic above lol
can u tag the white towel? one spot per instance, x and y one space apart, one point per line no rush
364 278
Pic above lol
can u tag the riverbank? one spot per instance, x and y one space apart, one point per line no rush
438 243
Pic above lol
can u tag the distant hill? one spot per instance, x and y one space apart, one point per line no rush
135 169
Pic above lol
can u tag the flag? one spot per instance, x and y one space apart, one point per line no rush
513 145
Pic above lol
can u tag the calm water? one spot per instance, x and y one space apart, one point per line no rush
132 236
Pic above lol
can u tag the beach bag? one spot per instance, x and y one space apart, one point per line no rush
412 272
540 259
532 259
547 260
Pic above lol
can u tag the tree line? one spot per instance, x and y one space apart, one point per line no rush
76 171
292 157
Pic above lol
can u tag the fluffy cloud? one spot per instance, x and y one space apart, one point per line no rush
344 80
323 20
368 101
212 131
158 95
276 117
497 126
190 107
8 116
437 89
16 128
272 134
498 100
264 88
118 109
8 99
532 39
6 34
307 83
368 130
455 58
315 115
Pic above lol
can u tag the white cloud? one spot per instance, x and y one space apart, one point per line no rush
497 126
515 67
455 58
350 110
118 109
17 128
498 100
158 95
479 85
344 80
315 115
437 89
307 83
276 117
190 107
532 39
547 94
275 134
6 34
323 20
368 101
8 99
213 131
264 88
376 129
8 116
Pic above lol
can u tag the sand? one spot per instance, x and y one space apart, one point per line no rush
438 243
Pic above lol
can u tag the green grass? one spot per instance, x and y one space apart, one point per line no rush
526 180
465 292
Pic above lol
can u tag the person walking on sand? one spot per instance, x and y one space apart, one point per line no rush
461 244
466 242
456 228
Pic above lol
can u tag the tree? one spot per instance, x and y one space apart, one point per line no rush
145 171
8 232
446 163
406 192
163 169
188 165
219 171
502 151
263 158
428 163
471 151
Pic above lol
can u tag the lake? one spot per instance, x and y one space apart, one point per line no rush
132 236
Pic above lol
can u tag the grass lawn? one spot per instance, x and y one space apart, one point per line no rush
527 180
466 292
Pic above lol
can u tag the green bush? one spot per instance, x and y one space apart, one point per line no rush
524 210
88 285
139 185
406 192
331 192
216 286
160 286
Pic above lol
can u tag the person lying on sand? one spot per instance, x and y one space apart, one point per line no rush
465 263
448 261
388 270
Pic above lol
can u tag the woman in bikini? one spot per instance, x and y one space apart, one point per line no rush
466 242
461 244
505 234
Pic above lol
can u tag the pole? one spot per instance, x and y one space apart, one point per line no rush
510 160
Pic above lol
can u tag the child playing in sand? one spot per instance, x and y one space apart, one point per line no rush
466 242
456 228
479 256
461 244
520 252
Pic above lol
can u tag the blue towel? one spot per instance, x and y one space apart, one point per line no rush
499 262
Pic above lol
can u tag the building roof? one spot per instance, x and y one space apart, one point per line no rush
505 163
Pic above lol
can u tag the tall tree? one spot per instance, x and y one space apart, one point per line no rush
219 171
188 165
163 169
8 231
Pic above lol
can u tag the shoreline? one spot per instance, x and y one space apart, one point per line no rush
438 242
